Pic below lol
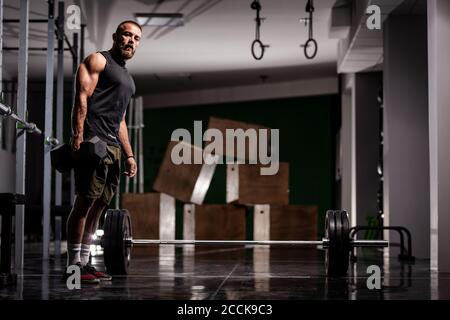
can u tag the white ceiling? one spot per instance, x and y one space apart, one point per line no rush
213 46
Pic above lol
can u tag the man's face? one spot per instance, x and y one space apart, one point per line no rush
127 41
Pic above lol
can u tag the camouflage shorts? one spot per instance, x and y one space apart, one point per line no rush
101 181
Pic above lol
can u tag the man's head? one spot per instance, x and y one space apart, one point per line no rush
126 39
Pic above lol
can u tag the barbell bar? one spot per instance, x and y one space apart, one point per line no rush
6 111
324 242
117 242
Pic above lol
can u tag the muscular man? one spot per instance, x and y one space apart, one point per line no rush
103 91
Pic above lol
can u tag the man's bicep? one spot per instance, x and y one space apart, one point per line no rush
86 81
88 73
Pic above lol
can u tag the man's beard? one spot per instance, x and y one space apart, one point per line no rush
124 52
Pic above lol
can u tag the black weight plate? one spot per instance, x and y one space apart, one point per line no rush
338 252
343 248
330 234
345 229
334 248
346 241
122 234
125 262
116 230
108 252
108 241
341 265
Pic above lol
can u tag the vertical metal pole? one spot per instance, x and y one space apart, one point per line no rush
58 228
59 96
141 147
12 126
48 130
83 26
74 72
1 48
130 134
21 141
1 61
135 136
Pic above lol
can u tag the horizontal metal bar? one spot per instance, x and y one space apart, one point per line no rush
5 110
369 243
323 242
72 51
32 49
224 242
29 20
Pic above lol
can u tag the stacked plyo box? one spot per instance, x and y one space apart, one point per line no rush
267 195
273 217
189 183
152 217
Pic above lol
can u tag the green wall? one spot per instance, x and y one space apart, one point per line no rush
307 141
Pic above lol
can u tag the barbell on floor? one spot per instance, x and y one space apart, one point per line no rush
117 242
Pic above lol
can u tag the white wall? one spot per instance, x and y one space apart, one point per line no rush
439 114
406 149
278 90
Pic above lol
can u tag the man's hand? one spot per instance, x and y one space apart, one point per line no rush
75 142
131 167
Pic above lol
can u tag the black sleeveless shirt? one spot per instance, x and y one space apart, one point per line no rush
108 103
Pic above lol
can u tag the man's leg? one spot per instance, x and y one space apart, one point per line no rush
90 227
75 228
110 180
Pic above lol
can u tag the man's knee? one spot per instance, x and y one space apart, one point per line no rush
98 207
82 206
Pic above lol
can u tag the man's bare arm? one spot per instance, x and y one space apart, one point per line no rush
86 81
130 162
124 139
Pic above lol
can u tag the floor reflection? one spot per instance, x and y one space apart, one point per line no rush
236 273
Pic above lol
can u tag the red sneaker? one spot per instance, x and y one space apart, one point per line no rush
101 276
85 277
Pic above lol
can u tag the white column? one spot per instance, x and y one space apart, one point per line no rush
346 150
21 141
406 148
439 126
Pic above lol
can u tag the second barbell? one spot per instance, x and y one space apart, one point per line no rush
117 242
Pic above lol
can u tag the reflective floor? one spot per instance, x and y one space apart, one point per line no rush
275 273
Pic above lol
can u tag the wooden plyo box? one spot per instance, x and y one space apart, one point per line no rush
246 185
214 222
185 182
251 146
285 222
152 215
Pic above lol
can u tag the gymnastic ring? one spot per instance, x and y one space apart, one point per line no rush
305 48
262 47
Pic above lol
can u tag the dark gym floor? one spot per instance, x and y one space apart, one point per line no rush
275 273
